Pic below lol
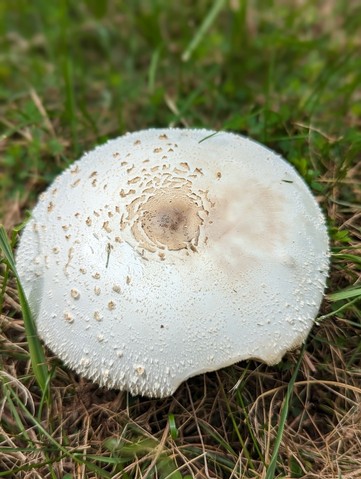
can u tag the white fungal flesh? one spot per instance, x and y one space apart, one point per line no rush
168 253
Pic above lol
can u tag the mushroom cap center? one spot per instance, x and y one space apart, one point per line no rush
170 219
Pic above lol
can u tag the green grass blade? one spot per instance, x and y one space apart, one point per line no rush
21 429
207 22
346 294
70 108
154 62
337 311
37 356
251 433
173 427
283 417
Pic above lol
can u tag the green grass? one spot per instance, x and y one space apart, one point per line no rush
288 74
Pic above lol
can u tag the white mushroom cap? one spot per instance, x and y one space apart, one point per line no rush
167 253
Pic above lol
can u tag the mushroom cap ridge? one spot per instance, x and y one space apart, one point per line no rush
166 253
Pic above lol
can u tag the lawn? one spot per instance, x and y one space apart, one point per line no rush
285 73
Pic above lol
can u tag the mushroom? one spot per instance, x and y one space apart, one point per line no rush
167 253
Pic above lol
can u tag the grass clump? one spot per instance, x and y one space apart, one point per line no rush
74 74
